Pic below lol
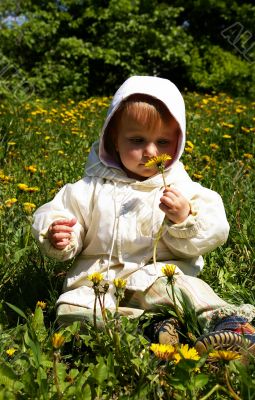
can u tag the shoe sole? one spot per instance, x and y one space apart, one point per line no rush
228 341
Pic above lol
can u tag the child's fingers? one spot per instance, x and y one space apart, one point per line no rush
62 244
67 222
57 237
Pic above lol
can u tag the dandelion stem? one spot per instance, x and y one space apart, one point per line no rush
214 389
95 312
175 304
231 390
56 358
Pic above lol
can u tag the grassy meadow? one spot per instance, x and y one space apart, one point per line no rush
43 145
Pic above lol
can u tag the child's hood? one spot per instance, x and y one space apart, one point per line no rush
160 88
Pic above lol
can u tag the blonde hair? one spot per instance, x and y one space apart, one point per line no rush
146 110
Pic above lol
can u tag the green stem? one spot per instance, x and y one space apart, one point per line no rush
231 390
214 389
95 312
180 317
56 357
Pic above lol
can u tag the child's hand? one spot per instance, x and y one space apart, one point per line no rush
175 205
59 232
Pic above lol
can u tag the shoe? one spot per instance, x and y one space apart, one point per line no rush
223 340
239 325
166 332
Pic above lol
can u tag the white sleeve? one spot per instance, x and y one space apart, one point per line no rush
73 200
205 228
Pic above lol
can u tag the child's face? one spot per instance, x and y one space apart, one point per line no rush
136 144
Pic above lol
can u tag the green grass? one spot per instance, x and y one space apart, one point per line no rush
54 139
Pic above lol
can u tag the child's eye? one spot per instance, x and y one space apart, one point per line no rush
136 140
163 141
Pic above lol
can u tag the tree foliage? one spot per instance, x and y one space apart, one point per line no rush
71 48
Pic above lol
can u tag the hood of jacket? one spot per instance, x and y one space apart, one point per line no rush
100 163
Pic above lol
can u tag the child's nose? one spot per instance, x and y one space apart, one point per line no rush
150 150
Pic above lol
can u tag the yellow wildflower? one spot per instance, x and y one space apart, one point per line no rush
61 152
32 189
224 355
245 129
227 125
41 304
248 155
163 351
206 158
169 270
120 283
184 352
96 278
22 186
10 351
31 168
158 162
29 207
190 144
198 176
11 143
207 130
227 136
10 202
57 340
214 146
5 178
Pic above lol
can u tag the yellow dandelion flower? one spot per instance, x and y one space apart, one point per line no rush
189 149
31 168
32 189
96 278
57 340
224 355
245 129
11 143
29 207
61 152
227 136
169 270
248 155
227 125
120 283
59 183
184 352
41 304
47 138
10 202
198 176
207 130
22 186
214 146
206 158
190 144
10 351
158 162
48 121
163 351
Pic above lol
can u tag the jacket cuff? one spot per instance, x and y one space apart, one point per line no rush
186 229
51 251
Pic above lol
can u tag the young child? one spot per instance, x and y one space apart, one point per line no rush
111 217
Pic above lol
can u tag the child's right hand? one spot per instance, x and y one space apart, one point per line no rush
59 232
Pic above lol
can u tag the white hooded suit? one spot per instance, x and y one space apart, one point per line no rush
118 217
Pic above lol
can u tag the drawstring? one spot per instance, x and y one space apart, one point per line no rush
114 233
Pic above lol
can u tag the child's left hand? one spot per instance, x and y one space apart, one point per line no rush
174 205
